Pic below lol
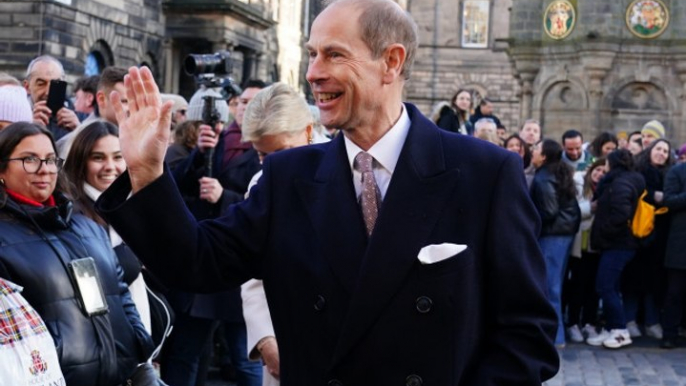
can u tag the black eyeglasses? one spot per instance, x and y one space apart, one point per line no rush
33 164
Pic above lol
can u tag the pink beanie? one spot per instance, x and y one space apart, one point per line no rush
14 105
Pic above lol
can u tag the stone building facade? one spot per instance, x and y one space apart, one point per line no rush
452 56
601 77
264 37
102 32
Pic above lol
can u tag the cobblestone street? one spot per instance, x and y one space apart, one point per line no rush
642 363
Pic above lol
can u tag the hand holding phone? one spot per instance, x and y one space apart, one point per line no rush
57 95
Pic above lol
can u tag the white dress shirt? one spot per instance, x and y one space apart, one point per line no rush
385 151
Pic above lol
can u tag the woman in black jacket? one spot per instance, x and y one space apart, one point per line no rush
454 116
617 196
66 265
554 194
644 277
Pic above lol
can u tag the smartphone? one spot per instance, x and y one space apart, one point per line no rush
57 95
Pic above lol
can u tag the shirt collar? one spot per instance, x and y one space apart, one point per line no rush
386 150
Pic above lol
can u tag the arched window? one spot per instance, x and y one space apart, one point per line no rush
475 23
99 57
94 64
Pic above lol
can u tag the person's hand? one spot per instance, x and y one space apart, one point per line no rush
207 138
41 113
270 356
658 196
144 131
210 189
594 206
67 119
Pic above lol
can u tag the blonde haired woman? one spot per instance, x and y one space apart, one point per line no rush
276 119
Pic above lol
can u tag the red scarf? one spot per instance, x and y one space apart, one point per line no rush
25 200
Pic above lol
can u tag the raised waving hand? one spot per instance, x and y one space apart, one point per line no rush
144 131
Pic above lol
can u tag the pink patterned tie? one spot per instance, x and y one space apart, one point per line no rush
370 198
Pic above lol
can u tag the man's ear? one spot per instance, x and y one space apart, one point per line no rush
90 98
101 98
394 59
25 83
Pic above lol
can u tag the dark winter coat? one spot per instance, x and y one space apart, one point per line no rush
675 200
99 350
617 196
558 216
450 121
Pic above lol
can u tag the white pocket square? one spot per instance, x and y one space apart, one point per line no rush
438 252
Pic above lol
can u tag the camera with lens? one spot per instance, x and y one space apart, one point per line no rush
218 64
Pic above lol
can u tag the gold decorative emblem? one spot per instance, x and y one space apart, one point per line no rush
647 19
559 19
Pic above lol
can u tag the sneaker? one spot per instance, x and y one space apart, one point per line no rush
654 331
599 338
618 338
575 334
634 331
589 331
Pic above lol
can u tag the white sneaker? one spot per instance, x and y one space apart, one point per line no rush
589 331
599 338
634 331
618 338
575 334
654 331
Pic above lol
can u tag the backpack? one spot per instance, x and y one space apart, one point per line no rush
643 222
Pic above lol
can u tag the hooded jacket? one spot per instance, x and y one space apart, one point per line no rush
36 246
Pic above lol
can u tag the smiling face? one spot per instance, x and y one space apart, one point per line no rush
659 154
598 173
463 101
37 186
105 163
347 82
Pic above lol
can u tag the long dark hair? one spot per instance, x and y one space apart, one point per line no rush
596 146
589 185
526 159
76 166
463 116
564 175
643 161
13 134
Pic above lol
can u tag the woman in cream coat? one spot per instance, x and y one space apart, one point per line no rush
276 119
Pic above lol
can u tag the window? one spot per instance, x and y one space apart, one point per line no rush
475 18
94 64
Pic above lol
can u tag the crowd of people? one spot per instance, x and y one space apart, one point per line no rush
124 213
606 284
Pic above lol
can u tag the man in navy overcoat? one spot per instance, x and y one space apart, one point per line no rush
449 287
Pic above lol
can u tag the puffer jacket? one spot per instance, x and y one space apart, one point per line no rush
617 196
99 350
558 217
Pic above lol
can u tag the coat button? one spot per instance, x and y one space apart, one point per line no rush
334 382
320 303
413 380
424 304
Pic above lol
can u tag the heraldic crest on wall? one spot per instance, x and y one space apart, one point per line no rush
647 19
559 19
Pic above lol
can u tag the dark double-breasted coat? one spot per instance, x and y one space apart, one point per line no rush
348 310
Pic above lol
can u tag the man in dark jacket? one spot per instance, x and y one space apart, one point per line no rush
443 284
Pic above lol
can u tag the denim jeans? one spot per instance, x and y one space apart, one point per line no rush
612 263
555 251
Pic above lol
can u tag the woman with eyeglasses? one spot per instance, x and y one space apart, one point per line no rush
66 265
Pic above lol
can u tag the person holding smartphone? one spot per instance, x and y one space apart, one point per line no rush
45 73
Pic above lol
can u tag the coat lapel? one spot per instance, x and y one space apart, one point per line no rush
332 207
416 195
